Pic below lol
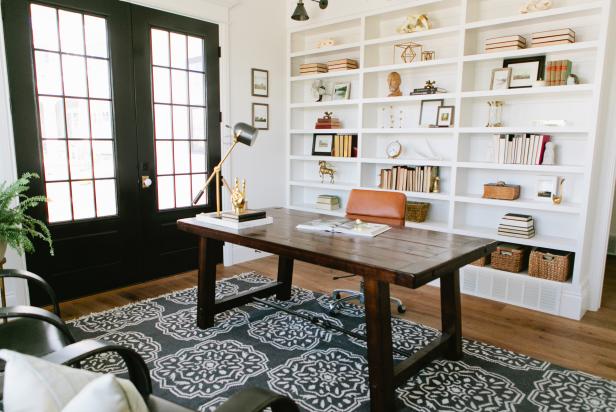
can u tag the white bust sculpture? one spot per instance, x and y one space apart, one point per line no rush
549 155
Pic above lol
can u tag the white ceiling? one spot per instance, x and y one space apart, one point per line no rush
226 3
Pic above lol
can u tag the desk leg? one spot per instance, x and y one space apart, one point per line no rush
380 355
206 292
451 314
285 276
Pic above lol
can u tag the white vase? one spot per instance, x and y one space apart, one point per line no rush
2 250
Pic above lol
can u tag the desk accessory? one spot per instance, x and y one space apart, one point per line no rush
344 226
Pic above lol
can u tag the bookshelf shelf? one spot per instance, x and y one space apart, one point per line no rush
466 149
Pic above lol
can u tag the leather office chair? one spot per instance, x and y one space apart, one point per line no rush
375 207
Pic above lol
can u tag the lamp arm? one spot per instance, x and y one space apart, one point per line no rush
215 171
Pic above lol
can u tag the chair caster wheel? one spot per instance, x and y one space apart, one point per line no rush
335 295
401 309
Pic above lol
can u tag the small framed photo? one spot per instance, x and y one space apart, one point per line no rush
260 116
342 91
445 116
546 187
501 78
525 71
322 144
428 116
260 83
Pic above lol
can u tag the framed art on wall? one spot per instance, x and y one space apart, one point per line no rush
260 116
322 144
260 83
525 71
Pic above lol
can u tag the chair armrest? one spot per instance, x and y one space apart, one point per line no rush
36 313
29 276
257 399
138 371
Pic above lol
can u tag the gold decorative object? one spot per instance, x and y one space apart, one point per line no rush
557 199
238 197
394 81
436 187
408 53
495 114
535 5
428 55
326 170
430 84
415 23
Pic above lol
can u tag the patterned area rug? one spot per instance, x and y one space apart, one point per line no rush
321 369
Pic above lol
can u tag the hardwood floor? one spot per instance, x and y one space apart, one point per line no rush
588 345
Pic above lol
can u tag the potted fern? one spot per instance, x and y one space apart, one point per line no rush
18 229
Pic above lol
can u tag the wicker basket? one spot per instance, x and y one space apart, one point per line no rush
549 264
417 211
484 261
510 258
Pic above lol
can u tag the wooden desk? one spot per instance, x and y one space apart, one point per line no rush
400 256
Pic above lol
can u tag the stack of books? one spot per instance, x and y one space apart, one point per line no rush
505 43
557 72
312 68
328 123
553 37
246 216
345 145
328 202
516 225
519 149
409 178
425 90
342 65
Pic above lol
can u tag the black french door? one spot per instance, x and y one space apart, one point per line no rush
116 107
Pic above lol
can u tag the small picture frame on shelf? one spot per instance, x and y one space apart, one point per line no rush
546 187
342 91
445 116
501 78
322 144
260 83
260 116
428 116
525 71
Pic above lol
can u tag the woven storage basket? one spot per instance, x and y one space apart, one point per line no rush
510 258
417 211
484 261
549 264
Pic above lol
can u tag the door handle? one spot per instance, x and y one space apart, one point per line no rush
146 182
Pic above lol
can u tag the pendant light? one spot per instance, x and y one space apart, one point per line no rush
300 13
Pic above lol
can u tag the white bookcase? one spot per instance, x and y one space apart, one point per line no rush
462 151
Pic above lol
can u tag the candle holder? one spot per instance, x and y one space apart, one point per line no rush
495 116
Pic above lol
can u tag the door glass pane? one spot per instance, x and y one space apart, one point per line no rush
75 113
44 27
71 32
177 73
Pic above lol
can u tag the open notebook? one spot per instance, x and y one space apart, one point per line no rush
346 226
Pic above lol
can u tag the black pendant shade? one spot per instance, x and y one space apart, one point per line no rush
300 13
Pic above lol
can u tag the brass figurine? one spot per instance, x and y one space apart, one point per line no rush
238 197
415 23
326 170
557 199
436 187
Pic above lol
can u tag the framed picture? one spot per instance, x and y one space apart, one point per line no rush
260 116
342 91
260 83
444 117
525 71
429 112
322 144
546 187
501 78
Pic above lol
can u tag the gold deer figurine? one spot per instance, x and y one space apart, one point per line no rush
238 197
325 170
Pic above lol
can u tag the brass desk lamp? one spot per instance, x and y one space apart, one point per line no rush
242 133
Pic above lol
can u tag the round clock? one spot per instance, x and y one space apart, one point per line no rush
394 149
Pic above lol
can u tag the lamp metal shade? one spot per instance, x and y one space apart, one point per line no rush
245 133
300 13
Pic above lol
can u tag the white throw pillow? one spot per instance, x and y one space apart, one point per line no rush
33 384
107 394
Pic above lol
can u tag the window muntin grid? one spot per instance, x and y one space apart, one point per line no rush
73 89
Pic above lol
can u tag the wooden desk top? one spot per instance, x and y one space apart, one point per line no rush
403 256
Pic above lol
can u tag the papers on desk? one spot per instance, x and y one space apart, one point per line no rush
346 226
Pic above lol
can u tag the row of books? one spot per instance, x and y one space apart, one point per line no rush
345 145
517 225
540 39
409 178
331 66
328 123
557 72
519 149
328 202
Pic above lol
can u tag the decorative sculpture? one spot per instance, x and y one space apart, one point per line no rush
394 81
238 197
557 199
415 23
325 43
408 51
436 187
326 170
535 5
495 114
318 90
549 155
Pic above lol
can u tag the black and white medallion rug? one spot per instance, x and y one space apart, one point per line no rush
321 369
